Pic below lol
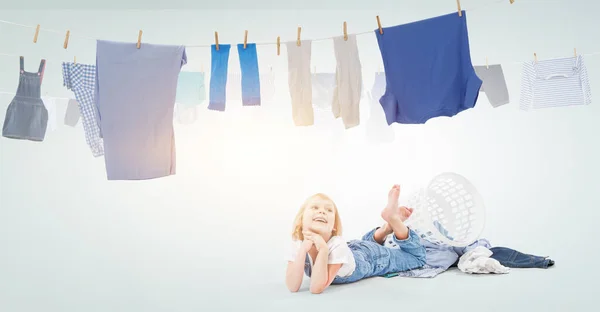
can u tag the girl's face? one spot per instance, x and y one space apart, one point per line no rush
319 216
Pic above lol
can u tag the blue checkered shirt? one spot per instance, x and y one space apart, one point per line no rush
81 79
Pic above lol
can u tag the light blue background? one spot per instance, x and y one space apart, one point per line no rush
213 237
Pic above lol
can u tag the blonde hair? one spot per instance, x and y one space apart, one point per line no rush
297 231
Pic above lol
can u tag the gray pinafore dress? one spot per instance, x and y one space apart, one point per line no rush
26 116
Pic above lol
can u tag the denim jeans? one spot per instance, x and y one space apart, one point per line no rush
515 259
373 259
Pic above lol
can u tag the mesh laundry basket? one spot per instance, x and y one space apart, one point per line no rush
449 210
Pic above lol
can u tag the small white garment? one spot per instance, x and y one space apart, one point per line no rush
50 104
555 83
186 114
478 261
348 77
299 82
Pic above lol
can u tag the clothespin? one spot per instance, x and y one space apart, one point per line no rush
66 44
278 47
74 59
379 25
245 39
298 40
345 32
535 57
37 31
458 5
486 63
512 1
217 41
575 51
139 42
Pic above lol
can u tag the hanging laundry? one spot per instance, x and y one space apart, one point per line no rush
72 114
186 114
377 129
50 104
299 82
428 69
135 96
218 77
190 88
81 79
348 87
555 83
26 116
250 76
322 90
494 84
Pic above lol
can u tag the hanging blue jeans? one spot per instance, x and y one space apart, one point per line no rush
250 75
218 77
515 259
373 259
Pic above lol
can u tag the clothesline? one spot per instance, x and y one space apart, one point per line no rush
69 34
209 45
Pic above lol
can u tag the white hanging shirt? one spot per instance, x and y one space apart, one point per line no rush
554 83
339 252
50 104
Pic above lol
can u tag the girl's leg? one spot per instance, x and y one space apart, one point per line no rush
393 216
410 254
378 234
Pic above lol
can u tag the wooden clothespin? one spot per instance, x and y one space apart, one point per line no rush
245 39
217 40
345 32
486 63
74 59
66 44
298 40
458 5
37 32
575 52
139 42
535 57
379 25
278 45
512 1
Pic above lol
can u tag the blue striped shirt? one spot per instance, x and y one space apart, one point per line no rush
554 83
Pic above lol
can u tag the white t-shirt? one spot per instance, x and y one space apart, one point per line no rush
50 105
339 252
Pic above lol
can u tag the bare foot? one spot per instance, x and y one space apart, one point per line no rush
391 211
405 212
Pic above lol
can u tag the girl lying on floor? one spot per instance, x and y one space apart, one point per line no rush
319 251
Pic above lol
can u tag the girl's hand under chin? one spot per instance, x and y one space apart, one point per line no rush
307 244
316 239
